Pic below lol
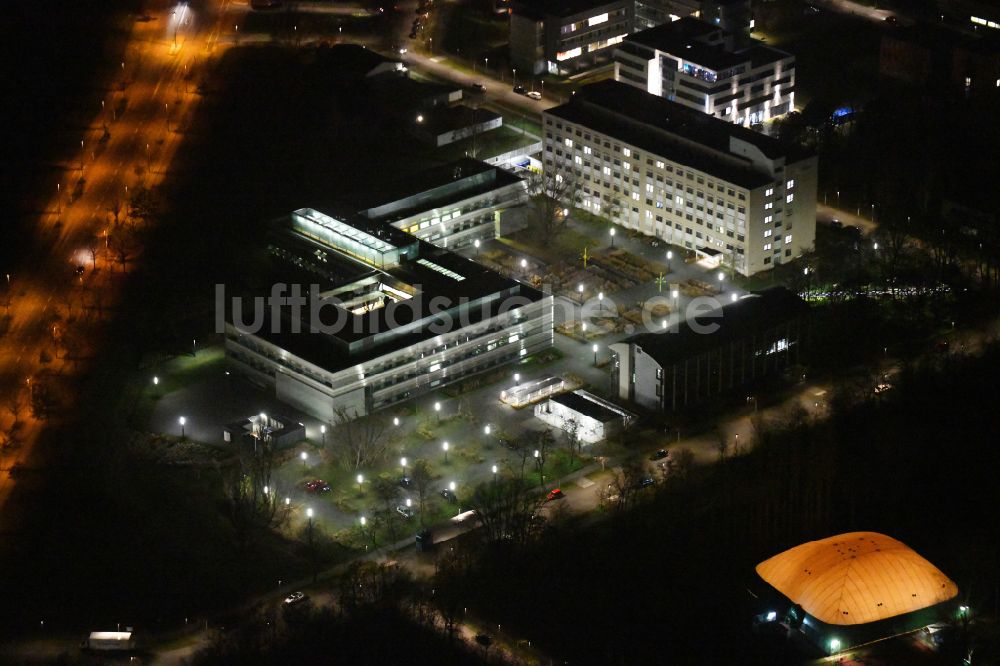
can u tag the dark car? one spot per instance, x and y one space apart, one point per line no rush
554 494
520 90
479 87
648 481
80 270
405 482
449 495
659 455
484 639
318 486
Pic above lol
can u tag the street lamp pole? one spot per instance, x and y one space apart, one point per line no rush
182 420
595 355
611 232
444 447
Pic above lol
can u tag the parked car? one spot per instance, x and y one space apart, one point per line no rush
534 94
404 511
520 90
659 455
479 87
648 481
449 495
295 598
554 494
405 482
318 486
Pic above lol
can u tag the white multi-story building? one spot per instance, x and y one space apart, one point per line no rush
387 318
705 68
718 189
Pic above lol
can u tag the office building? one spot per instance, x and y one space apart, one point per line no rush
565 36
451 206
705 68
735 346
720 190
731 15
387 318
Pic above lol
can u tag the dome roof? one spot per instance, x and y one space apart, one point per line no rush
856 578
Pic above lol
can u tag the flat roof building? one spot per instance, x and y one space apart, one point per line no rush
693 180
378 317
592 418
564 36
451 206
756 337
705 68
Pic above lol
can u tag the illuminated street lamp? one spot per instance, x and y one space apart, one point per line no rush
402 463
487 429
670 256
156 380
579 289
322 432
451 486
303 457
475 243
420 118
524 264
595 354
517 379
721 276
494 473
445 447
612 234
600 299
182 421
361 480
395 421
437 411
288 501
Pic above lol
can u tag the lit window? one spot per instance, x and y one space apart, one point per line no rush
790 198
660 165
790 184
649 187
559 178
635 195
566 55
600 18
679 200
788 238
767 246
607 171
568 142
767 219
768 206
587 150
626 165
626 152
767 232
769 191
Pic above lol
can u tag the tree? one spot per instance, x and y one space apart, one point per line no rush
252 511
573 441
543 443
386 492
506 509
142 205
624 484
423 481
553 192
359 441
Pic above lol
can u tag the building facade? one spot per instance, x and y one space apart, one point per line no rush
565 36
744 342
398 318
452 206
592 418
695 181
705 68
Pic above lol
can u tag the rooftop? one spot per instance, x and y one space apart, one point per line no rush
672 131
857 578
689 38
540 9
590 405
437 187
380 309
734 320
440 119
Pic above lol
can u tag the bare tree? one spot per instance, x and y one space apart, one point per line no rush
387 494
553 193
423 482
506 508
573 441
624 484
359 441
254 507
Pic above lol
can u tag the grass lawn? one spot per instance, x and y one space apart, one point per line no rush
567 246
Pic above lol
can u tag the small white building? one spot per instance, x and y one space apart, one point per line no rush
533 391
595 418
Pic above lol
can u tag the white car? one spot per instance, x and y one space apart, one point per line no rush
295 598
534 94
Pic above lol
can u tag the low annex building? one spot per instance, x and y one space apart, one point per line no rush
858 587
594 418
